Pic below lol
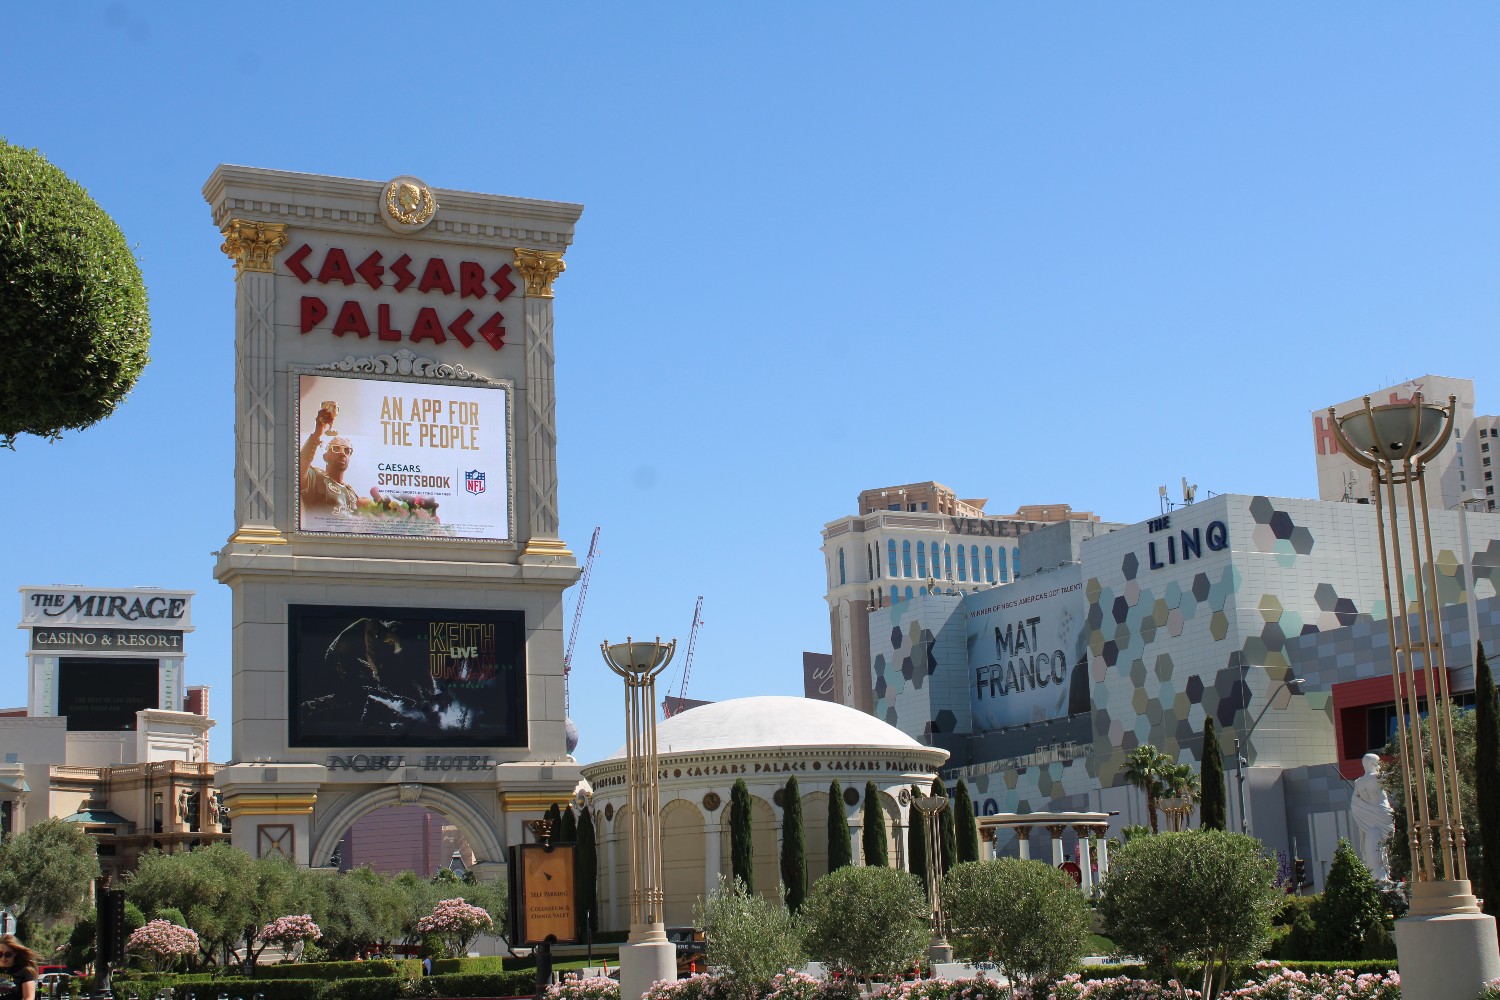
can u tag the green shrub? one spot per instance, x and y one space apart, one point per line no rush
72 304
484 965
495 984
865 921
1294 930
1350 911
404 968
1025 916
750 939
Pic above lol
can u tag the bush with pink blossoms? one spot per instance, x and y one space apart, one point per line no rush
1491 990
793 985
457 922
1285 984
575 988
164 941
699 986
291 933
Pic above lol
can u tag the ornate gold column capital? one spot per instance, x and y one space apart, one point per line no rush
539 268
253 245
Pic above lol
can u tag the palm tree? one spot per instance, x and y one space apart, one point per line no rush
1180 784
1144 768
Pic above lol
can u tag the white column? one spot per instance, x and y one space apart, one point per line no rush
1057 844
1085 860
1103 845
856 842
1023 834
614 885
539 268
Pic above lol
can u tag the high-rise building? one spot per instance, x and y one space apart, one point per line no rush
917 538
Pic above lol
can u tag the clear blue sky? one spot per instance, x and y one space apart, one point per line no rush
1038 252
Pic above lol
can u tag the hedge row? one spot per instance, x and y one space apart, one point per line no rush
495 984
1132 970
404 968
470 966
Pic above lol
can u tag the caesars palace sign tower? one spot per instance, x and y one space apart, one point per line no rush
395 561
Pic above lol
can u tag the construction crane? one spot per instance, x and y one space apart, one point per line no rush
583 592
687 665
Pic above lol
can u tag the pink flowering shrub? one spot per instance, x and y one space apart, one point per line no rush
164 941
700 986
574 988
1284 984
291 930
458 923
1491 990
793 985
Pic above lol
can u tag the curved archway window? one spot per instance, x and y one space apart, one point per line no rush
947 561
989 564
895 595
1015 562
1004 572
890 556
962 570
908 593
974 561
870 561
843 577
921 560
905 558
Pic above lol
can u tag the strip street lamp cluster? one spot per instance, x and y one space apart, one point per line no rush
939 950
1446 947
647 956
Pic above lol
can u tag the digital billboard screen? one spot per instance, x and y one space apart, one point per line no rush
405 677
103 694
412 459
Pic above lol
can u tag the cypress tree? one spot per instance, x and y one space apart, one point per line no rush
586 872
1487 780
554 816
569 832
963 818
741 846
793 846
947 837
916 839
872 838
840 851
1213 806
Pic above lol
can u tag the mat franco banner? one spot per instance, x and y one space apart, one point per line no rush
405 677
545 907
1027 652
379 457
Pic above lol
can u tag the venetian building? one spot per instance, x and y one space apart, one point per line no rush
763 740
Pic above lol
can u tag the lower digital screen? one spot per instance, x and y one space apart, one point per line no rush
403 677
103 695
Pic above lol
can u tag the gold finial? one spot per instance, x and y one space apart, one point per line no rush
539 268
253 245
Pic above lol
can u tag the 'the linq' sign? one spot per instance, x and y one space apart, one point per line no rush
1027 654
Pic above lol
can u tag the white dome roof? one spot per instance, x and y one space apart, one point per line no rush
775 721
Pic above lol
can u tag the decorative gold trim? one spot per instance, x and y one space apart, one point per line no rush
519 801
253 245
539 268
410 202
271 805
546 547
255 534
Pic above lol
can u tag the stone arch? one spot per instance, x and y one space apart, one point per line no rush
483 835
765 844
614 905
683 856
895 831
815 834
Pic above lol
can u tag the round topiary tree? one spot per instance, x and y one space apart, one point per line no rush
72 303
866 921
1025 916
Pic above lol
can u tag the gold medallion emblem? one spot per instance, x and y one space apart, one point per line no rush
408 203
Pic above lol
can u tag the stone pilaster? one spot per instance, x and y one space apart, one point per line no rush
540 268
253 247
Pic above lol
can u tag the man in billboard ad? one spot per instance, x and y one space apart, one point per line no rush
1027 652
382 457
406 678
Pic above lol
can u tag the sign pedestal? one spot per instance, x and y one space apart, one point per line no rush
646 958
1444 954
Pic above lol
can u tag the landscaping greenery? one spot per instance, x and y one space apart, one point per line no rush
793 846
872 837
916 839
749 938
963 821
840 851
1350 913
1465 740
947 838
72 304
865 921
586 873
1202 896
1487 783
46 871
741 842
1025 916
1213 810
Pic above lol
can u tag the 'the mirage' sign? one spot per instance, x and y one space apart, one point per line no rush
1026 651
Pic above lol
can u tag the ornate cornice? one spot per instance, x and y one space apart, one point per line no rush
403 362
540 268
253 245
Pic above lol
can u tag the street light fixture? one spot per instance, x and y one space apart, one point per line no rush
939 950
647 956
1446 946
1294 685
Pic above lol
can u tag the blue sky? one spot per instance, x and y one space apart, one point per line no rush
1041 253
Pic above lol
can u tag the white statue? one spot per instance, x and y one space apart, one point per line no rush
1370 808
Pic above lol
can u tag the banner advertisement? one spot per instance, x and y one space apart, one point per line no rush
545 887
415 459
403 677
1028 656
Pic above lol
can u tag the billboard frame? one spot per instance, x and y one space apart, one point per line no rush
389 368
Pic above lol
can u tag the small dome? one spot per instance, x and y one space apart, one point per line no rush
773 721
570 731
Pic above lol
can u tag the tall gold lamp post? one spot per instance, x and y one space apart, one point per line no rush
932 806
647 956
1446 947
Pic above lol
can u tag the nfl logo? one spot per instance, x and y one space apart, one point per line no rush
474 481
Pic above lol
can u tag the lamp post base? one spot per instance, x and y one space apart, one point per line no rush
939 952
1445 946
647 957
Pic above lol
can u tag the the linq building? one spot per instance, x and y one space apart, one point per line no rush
1267 614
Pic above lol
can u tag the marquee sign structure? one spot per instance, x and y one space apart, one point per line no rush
395 558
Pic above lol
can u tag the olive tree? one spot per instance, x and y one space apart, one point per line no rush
750 939
1204 896
1025 916
866 921
46 871
72 304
